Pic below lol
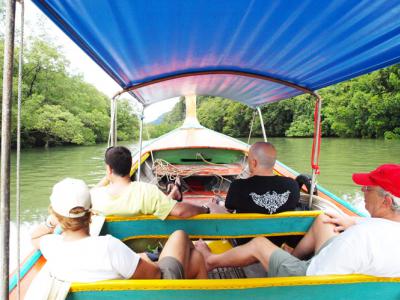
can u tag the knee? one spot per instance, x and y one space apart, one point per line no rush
320 221
259 242
197 258
180 234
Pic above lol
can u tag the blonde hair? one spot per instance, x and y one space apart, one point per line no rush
74 224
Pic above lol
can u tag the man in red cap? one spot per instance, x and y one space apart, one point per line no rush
341 244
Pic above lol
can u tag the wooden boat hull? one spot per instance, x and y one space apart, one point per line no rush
355 287
223 226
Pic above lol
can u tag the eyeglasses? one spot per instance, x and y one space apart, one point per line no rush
368 188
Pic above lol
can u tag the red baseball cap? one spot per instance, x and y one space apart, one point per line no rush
385 176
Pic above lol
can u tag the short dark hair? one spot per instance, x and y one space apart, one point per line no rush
119 159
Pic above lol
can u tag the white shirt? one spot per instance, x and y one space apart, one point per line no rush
89 259
370 247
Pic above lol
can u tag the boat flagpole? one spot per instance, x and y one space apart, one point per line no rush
140 145
262 124
6 145
316 146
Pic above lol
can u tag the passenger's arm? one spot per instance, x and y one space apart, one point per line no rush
146 269
42 229
341 222
187 210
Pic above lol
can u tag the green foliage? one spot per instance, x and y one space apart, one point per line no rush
393 135
128 124
368 107
59 107
211 112
171 120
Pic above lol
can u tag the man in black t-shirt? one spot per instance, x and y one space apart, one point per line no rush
264 192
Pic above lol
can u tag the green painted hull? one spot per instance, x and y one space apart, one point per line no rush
190 156
330 291
210 226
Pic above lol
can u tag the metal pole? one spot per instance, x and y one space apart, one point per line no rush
6 145
140 145
111 136
17 184
316 147
251 127
262 124
115 122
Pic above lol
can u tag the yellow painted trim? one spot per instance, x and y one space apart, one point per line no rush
288 214
200 236
135 165
277 173
224 284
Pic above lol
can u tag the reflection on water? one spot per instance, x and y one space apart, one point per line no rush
41 169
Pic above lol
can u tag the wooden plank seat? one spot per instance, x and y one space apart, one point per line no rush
211 226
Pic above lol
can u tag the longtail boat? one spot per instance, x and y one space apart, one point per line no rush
254 52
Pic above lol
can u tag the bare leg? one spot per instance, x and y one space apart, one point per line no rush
180 247
258 249
197 266
316 236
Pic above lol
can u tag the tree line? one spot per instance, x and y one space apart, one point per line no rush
364 107
59 107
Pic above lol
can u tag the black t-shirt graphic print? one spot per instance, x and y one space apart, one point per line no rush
263 194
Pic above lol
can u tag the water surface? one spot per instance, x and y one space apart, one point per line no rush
42 168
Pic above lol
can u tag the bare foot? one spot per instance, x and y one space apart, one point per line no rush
174 190
203 248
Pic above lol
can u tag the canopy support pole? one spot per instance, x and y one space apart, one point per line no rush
140 145
115 122
17 171
316 146
112 138
262 124
6 146
251 127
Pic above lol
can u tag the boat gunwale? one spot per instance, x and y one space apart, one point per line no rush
227 284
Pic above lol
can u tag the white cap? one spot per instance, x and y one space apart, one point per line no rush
68 194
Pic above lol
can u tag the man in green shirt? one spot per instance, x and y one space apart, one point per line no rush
124 197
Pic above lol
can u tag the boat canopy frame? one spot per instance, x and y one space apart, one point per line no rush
376 52
133 88
317 115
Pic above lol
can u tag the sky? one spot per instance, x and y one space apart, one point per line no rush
81 63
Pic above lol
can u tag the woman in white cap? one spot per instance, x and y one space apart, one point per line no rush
76 256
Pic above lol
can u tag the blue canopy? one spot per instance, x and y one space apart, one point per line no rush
255 51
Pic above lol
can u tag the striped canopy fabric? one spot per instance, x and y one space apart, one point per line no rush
252 51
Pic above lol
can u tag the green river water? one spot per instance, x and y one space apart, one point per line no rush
42 168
